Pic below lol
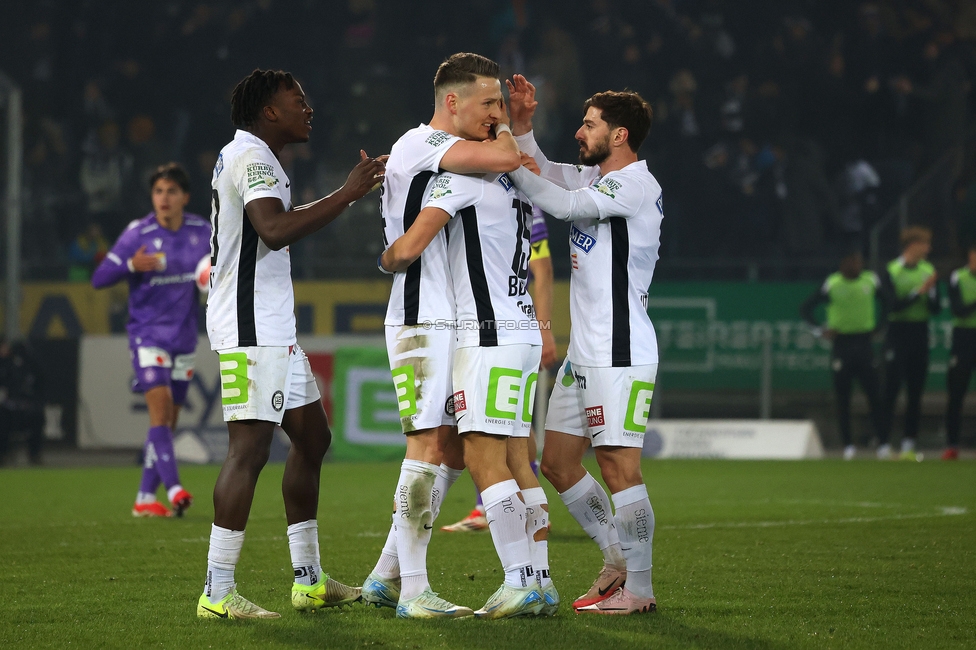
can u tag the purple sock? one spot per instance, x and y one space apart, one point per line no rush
150 477
478 501
162 441
534 464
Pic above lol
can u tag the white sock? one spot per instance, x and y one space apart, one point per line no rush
303 542
142 498
537 532
589 504
172 492
506 521
635 524
907 444
388 566
413 522
225 551
446 476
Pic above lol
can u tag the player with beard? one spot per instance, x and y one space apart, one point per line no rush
265 376
603 392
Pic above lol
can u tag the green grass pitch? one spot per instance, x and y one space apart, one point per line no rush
746 555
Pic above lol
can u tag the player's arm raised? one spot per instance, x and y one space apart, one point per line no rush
278 227
491 156
522 105
407 248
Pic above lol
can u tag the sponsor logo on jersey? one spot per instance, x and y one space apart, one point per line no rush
259 173
459 404
581 240
660 204
609 187
594 416
437 138
157 242
449 405
219 167
278 401
506 182
441 188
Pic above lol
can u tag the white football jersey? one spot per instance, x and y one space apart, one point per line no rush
613 260
251 300
424 291
488 251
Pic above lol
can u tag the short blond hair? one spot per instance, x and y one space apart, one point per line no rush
916 235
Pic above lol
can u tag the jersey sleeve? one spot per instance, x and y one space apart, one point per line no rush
617 195
114 266
255 176
568 177
453 192
426 149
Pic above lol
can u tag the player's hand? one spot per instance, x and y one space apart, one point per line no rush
928 284
549 358
829 334
143 262
529 163
366 176
522 103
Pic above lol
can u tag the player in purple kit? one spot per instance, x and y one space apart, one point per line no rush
160 255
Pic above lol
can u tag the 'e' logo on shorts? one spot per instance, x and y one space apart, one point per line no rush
403 382
504 387
639 406
233 378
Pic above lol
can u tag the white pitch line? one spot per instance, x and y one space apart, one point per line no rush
943 512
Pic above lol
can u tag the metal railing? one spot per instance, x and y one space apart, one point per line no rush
932 190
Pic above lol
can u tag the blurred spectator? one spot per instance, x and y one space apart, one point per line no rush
21 399
105 169
86 252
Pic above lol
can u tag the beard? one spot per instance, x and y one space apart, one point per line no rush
596 155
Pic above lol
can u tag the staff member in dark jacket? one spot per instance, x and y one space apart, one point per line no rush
908 284
851 297
21 399
962 359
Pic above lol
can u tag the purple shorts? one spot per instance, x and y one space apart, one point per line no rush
155 366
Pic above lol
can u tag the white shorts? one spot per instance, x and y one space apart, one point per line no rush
420 362
610 406
261 383
494 389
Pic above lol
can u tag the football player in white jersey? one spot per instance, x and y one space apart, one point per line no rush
495 369
265 377
603 392
419 323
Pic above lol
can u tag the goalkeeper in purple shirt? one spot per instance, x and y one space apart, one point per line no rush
540 285
165 257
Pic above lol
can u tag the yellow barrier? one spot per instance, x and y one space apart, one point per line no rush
323 308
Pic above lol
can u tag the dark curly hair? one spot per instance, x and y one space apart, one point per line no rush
254 92
626 109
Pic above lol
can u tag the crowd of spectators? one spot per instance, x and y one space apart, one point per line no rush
783 128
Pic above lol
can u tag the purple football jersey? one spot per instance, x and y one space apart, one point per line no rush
539 229
539 232
162 304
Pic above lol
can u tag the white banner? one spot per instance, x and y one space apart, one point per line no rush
111 416
738 439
